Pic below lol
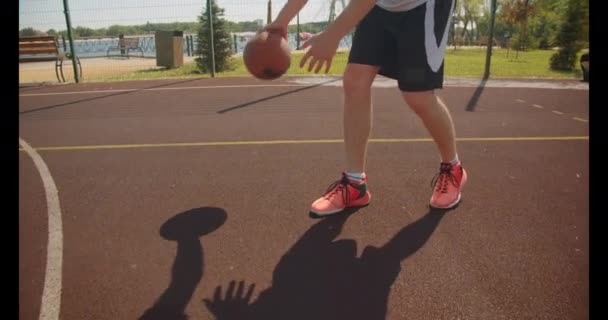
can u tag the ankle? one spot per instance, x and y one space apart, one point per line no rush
452 161
358 177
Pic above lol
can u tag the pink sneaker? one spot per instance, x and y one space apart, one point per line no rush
447 185
342 194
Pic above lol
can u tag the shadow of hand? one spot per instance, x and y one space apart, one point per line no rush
234 306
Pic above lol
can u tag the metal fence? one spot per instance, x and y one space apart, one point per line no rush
98 26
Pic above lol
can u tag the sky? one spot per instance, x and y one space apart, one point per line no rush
48 14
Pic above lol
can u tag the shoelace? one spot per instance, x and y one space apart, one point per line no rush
338 186
444 176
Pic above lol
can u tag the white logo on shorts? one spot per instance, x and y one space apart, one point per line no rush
434 53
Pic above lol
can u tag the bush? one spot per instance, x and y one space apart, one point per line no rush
222 42
568 37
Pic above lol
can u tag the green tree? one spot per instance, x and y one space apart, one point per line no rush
515 14
585 25
543 29
504 28
83 32
471 11
543 26
569 37
222 41
30 32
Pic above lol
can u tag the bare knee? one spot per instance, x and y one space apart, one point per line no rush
420 102
358 79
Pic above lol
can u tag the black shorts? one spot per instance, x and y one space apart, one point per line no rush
407 46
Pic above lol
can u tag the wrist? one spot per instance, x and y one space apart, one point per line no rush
281 21
334 33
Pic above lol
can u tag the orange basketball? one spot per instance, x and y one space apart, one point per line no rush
267 56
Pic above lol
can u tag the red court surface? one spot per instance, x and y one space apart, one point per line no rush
168 189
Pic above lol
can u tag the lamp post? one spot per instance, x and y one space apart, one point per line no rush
486 74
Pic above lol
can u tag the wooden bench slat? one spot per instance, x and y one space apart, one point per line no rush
40 38
37 50
37 45
37 59
41 49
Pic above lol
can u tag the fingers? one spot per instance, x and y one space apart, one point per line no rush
240 289
249 292
313 62
328 66
273 28
230 291
317 65
320 65
280 31
317 59
306 44
208 304
217 295
305 58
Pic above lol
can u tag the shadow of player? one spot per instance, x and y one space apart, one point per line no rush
322 278
186 228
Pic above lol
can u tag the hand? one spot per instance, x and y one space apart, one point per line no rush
323 47
275 28
234 306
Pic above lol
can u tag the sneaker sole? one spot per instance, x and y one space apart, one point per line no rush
316 214
451 205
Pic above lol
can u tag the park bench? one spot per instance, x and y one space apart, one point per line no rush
44 48
126 45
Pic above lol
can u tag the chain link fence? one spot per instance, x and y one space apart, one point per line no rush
115 39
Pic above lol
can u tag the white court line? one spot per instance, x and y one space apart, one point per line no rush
579 119
160 89
335 81
230 87
557 112
51 293
75 92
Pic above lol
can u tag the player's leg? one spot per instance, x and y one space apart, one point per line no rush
422 51
363 65
448 183
437 120
357 115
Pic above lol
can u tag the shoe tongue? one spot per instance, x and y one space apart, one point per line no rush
445 166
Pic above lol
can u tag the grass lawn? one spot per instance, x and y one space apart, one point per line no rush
462 62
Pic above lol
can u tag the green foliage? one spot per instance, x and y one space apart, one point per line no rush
543 29
30 32
568 38
312 27
222 42
459 63
243 26
151 28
